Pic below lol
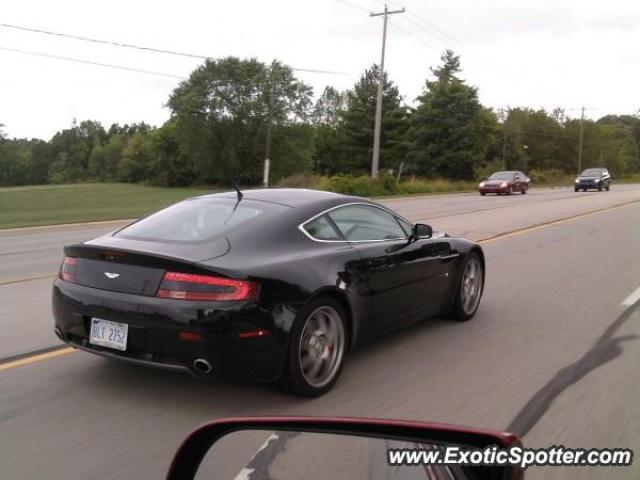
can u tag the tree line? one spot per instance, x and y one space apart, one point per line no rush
225 114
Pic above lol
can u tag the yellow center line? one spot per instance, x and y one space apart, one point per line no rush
36 358
540 226
65 351
28 279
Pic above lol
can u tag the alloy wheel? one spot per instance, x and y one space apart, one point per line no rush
471 286
322 345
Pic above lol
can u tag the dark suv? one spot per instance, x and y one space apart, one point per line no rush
596 178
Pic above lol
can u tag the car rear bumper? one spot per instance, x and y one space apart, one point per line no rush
172 334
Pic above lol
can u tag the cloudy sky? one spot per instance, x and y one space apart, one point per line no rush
543 53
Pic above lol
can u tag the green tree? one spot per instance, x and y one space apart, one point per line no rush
222 112
447 126
355 130
326 119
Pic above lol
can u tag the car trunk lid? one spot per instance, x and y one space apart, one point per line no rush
124 270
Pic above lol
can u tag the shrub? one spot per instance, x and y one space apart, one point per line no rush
300 180
552 176
494 166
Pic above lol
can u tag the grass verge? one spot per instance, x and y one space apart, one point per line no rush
56 204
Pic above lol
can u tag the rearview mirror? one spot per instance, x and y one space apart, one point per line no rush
289 448
420 230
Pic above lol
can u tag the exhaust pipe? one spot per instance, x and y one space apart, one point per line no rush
58 333
200 365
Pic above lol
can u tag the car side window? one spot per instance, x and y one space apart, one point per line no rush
321 229
362 223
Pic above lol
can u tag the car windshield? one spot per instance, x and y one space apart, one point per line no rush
191 221
502 176
591 172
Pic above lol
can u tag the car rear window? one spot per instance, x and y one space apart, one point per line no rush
192 221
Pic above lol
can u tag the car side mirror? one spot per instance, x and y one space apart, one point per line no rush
421 230
289 448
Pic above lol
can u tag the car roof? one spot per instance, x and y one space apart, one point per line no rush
291 197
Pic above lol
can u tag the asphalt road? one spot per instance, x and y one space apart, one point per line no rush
552 354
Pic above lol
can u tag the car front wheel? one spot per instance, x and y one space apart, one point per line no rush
468 289
317 348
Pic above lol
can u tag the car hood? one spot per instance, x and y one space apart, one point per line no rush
495 182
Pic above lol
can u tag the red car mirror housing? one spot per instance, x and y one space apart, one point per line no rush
190 454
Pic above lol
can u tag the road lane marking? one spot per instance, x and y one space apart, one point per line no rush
65 225
28 279
633 298
540 226
36 358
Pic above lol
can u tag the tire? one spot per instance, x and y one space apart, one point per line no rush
608 187
576 189
524 190
600 187
483 193
510 191
460 309
301 380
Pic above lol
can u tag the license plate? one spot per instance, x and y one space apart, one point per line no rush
109 334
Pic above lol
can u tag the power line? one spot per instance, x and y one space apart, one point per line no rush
428 32
436 29
415 37
431 29
144 48
90 62
359 7
106 42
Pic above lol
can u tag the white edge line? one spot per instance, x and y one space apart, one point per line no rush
633 298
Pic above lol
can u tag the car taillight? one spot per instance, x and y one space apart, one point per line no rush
186 286
68 269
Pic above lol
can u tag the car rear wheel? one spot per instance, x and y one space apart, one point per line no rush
317 348
600 187
469 289
608 187
524 190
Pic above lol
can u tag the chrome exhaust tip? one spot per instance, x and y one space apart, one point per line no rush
58 333
200 365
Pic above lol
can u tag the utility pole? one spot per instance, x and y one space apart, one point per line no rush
505 136
267 149
580 141
375 161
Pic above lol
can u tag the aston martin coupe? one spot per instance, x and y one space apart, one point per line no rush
270 285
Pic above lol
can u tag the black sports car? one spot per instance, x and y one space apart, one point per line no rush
269 285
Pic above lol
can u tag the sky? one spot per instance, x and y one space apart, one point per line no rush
537 54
